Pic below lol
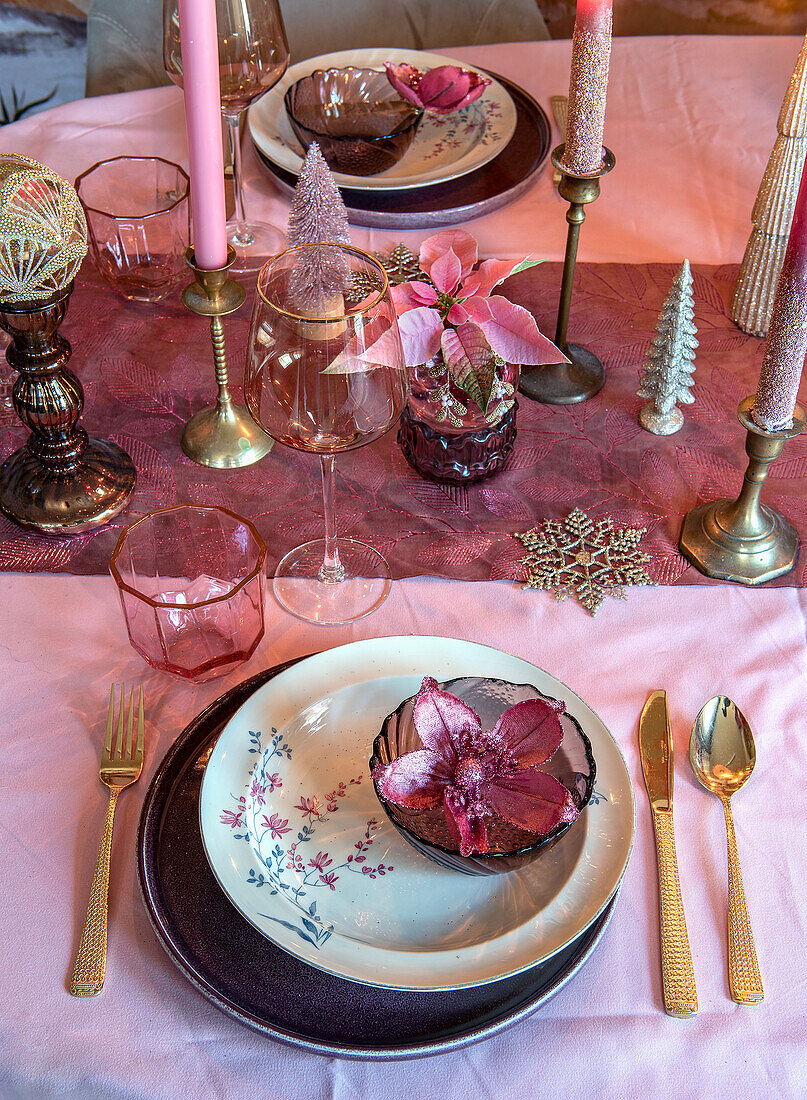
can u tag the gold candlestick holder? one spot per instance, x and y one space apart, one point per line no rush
223 435
584 375
743 540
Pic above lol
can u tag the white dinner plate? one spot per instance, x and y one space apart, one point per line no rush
445 146
300 844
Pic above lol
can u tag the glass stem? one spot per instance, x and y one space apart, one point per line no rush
242 234
332 571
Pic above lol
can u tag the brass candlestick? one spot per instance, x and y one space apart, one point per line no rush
223 435
61 481
743 540
582 377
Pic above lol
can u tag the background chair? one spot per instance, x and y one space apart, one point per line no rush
124 37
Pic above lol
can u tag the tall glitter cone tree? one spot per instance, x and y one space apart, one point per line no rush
318 214
670 363
754 293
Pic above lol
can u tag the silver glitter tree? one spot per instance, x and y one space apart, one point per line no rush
318 214
670 363
752 303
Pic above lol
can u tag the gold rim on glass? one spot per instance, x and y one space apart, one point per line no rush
236 587
308 318
152 213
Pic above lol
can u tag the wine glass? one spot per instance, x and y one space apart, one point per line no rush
326 373
253 56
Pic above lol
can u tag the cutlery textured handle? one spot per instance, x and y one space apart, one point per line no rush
680 994
88 973
744 977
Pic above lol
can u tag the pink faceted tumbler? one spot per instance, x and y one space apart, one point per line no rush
191 585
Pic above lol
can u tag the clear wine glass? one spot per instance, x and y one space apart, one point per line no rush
311 384
253 56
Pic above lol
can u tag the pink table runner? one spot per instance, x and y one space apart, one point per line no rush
146 369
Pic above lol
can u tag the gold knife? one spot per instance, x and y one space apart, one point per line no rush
655 745
560 110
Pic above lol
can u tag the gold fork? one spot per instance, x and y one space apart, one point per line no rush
119 768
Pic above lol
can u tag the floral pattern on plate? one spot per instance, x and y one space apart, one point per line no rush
286 867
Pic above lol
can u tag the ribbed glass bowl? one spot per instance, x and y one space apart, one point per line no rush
359 121
427 830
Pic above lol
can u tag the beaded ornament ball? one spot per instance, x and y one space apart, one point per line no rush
43 232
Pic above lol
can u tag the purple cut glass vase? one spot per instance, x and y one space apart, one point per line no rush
446 436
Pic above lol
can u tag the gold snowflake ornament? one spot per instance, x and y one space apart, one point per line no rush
585 557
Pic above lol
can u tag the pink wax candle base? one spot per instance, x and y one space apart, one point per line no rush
200 65
594 16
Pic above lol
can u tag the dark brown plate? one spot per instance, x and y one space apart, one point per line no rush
488 188
259 984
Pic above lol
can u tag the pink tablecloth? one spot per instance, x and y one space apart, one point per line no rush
692 122
605 1035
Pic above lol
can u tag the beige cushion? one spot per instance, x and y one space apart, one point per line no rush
124 37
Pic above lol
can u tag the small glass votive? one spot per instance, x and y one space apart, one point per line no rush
138 220
191 585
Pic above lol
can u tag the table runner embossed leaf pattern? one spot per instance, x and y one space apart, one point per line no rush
144 373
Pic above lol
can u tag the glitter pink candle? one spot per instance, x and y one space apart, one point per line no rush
591 53
783 363
200 78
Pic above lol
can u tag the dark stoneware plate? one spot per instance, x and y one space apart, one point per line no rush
480 192
260 985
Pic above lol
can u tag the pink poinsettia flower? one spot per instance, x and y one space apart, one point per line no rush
455 314
443 89
476 773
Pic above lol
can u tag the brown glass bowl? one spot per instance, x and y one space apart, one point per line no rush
427 830
359 121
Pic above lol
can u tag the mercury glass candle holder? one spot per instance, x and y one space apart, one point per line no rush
61 481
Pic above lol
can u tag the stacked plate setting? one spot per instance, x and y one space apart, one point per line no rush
446 149
300 846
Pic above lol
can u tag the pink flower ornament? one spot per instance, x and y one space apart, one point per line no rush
477 774
442 90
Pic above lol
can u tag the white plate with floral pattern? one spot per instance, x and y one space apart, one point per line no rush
301 846
445 146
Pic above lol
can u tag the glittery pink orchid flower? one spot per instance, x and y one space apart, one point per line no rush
478 774
442 90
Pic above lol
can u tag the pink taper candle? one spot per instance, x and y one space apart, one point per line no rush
200 78
591 53
783 363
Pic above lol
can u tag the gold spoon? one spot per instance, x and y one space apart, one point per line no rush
722 755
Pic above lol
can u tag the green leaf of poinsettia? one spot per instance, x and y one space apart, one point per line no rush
470 361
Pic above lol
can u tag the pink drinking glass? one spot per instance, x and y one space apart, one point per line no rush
191 585
138 221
